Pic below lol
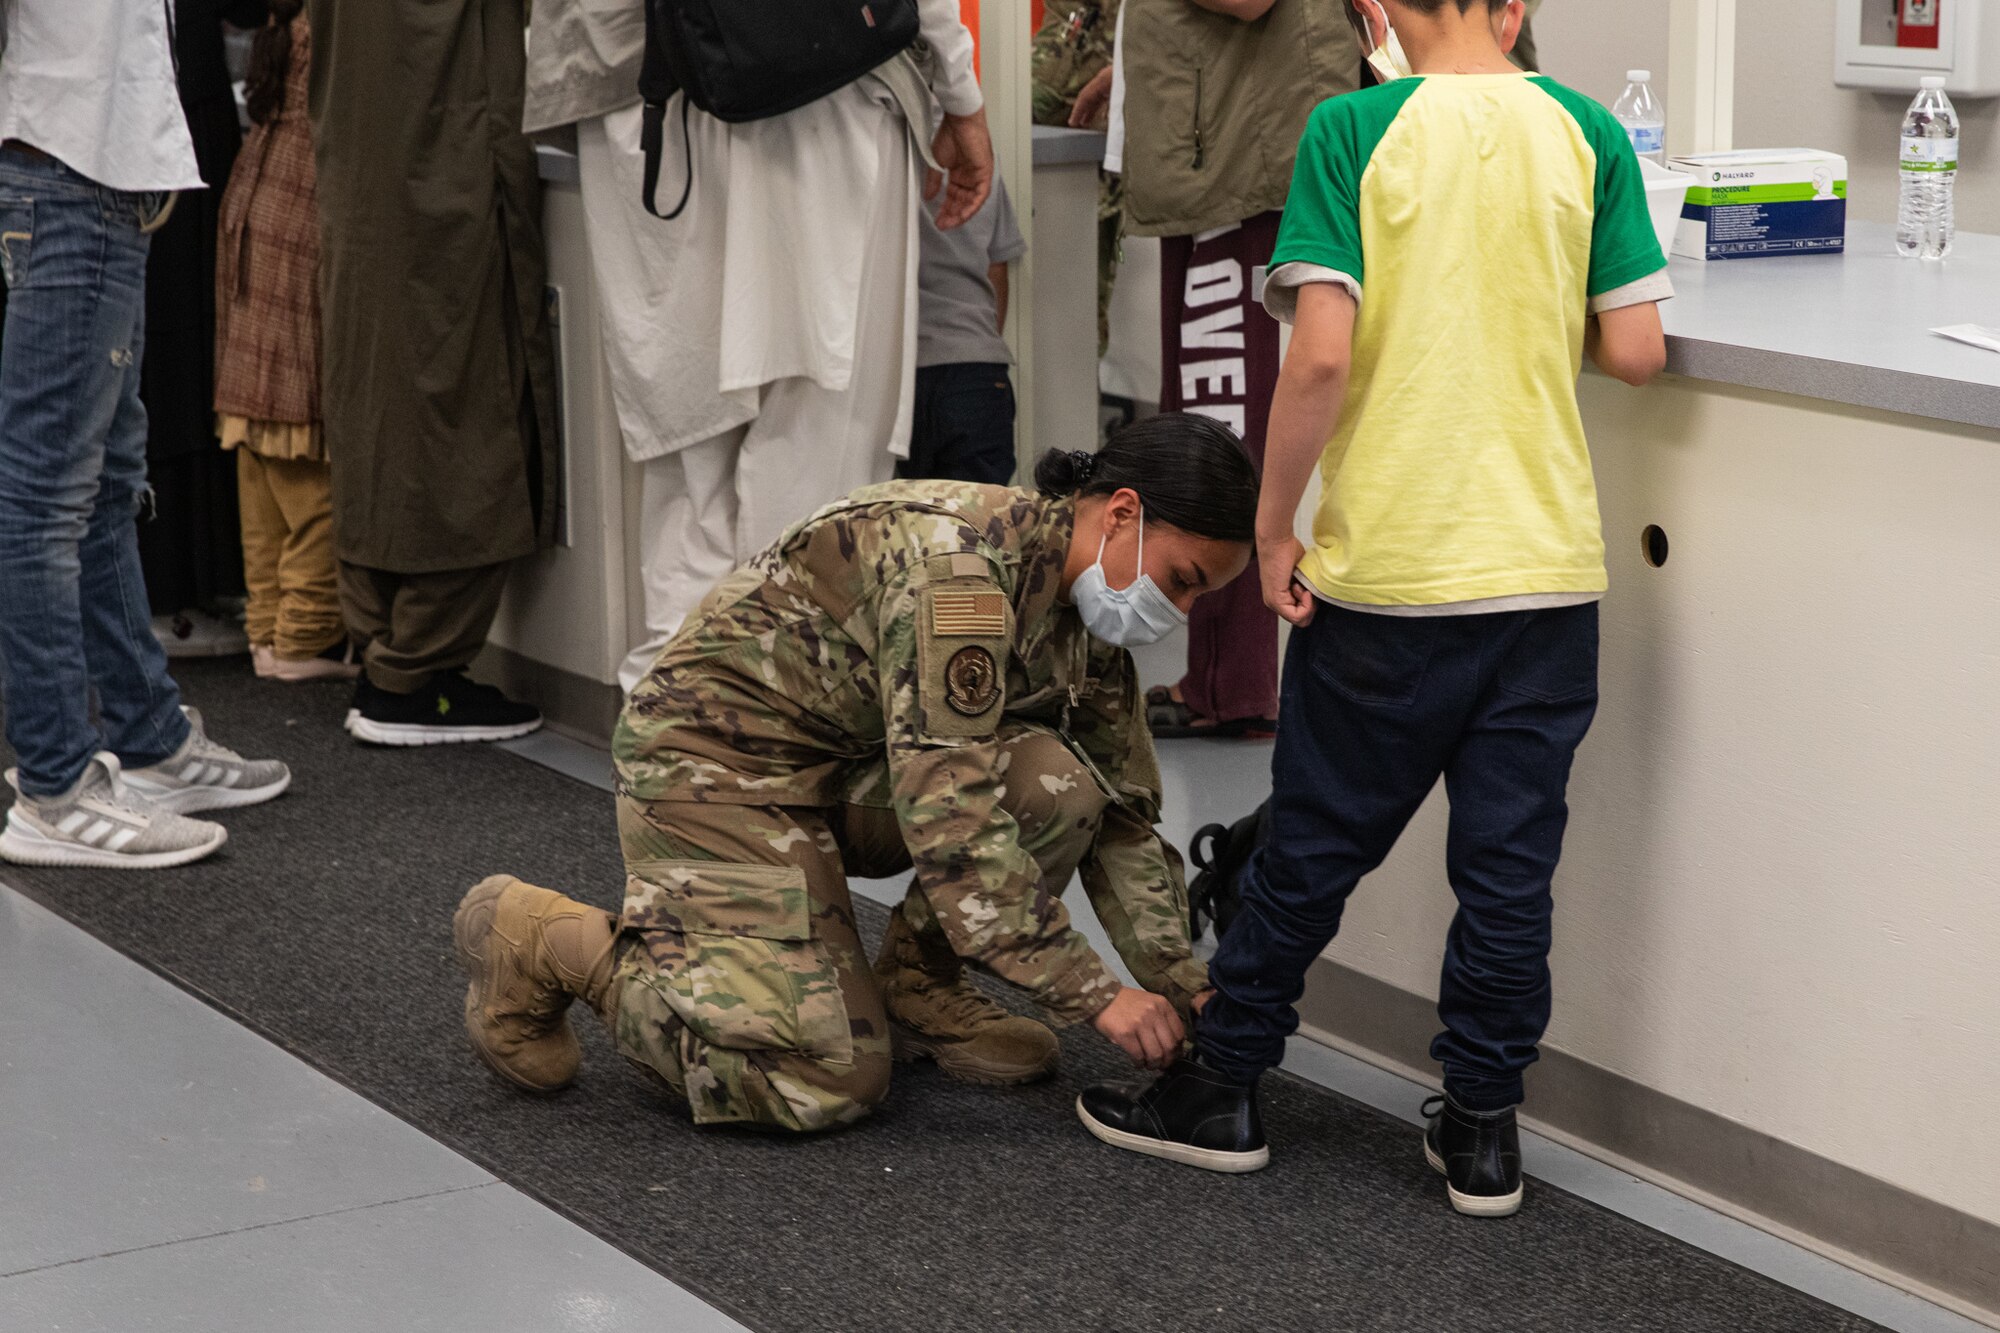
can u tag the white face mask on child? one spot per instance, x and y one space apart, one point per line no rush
1128 617
1387 60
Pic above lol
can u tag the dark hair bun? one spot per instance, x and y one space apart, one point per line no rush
1062 472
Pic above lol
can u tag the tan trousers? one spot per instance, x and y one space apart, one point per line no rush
414 625
740 978
286 506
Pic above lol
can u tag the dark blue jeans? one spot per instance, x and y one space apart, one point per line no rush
1373 710
74 616
963 427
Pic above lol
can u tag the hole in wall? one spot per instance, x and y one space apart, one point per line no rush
1653 545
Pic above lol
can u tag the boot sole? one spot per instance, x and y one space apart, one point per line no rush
1208 1159
195 799
31 849
1474 1205
910 1047
465 939
411 734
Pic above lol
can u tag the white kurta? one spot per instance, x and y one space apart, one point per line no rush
768 332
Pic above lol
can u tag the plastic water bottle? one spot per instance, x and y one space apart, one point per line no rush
1643 116
1924 221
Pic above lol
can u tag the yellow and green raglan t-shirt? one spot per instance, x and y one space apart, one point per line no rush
1477 219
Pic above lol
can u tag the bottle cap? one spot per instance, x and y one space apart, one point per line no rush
1638 76
1934 81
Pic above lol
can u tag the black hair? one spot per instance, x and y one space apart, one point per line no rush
1464 6
1189 471
270 63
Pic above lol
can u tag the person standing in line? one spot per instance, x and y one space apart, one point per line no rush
1458 240
963 426
86 168
1217 92
438 378
267 356
762 345
188 546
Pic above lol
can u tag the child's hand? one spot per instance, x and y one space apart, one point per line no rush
1277 562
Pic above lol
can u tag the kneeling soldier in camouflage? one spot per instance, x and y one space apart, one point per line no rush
928 676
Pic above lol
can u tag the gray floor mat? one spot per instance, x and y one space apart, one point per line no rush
325 925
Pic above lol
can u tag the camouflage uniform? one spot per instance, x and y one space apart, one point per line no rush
1072 45
893 685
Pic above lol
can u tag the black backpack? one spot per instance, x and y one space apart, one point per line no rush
744 60
1221 853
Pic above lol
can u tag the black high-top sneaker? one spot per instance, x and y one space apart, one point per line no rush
450 708
1478 1154
1190 1114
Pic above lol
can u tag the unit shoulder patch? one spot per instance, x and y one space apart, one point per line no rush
962 648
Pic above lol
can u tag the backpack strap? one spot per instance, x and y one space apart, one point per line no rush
651 140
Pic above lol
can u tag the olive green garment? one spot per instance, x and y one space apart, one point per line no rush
1214 107
438 376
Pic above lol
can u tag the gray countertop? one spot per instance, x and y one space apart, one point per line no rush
1851 328
1056 146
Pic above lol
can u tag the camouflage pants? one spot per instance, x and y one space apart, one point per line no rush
740 978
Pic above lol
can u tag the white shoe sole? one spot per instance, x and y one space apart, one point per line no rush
1474 1205
197 798
417 733
312 669
29 848
1208 1159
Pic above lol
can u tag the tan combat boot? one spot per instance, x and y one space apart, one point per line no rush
935 1012
530 952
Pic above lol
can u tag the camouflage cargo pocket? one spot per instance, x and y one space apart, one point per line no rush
736 958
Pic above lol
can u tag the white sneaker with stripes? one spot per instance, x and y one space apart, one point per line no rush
206 776
102 821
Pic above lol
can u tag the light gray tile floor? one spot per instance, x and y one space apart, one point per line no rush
1206 781
162 1167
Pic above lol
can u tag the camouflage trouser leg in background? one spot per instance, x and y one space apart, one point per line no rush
1057 805
740 979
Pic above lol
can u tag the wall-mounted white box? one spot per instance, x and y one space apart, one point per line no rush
1867 53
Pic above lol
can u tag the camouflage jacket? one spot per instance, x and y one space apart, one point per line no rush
870 655
1072 45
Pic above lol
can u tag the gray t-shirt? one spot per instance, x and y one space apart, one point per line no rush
956 318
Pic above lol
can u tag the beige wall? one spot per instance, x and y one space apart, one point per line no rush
1589 44
1785 94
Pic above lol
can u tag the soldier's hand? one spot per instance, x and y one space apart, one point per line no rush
1144 1026
1092 109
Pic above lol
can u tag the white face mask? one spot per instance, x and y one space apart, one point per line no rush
1128 617
1387 60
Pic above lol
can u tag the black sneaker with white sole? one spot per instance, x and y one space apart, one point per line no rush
1191 1114
451 708
1478 1154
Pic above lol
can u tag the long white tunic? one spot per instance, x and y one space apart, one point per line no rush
761 278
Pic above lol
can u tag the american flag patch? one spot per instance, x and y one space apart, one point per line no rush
968 615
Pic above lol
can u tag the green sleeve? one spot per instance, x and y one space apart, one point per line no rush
1322 222
1623 246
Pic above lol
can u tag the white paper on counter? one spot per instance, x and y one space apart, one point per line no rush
1978 335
